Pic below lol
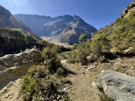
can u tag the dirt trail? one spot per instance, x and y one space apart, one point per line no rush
81 88
11 91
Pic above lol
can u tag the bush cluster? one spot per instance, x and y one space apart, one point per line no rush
43 81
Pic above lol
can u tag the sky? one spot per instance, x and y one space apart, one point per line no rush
97 13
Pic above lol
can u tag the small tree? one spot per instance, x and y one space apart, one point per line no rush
82 38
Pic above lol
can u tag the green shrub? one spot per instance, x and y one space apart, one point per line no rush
60 71
29 38
17 33
41 82
11 33
82 38
51 58
38 86
52 64
102 59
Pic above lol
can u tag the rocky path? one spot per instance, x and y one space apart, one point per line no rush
82 87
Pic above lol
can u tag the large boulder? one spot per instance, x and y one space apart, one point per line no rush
117 86
15 65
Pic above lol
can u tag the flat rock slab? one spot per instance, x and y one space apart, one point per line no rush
117 86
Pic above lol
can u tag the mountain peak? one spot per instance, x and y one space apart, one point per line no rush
65 29
77 17
4 11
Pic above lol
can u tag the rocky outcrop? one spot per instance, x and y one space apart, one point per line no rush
129 10
14 65
117 86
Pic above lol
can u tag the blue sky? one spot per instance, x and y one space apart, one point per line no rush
98 13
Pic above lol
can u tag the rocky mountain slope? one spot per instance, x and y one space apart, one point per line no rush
110 42
7 20
64 29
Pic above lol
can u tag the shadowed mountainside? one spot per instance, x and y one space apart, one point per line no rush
7 20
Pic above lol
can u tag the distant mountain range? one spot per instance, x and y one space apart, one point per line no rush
7 20
63 29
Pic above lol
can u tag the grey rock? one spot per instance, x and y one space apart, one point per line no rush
14 65
117 86
58 97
